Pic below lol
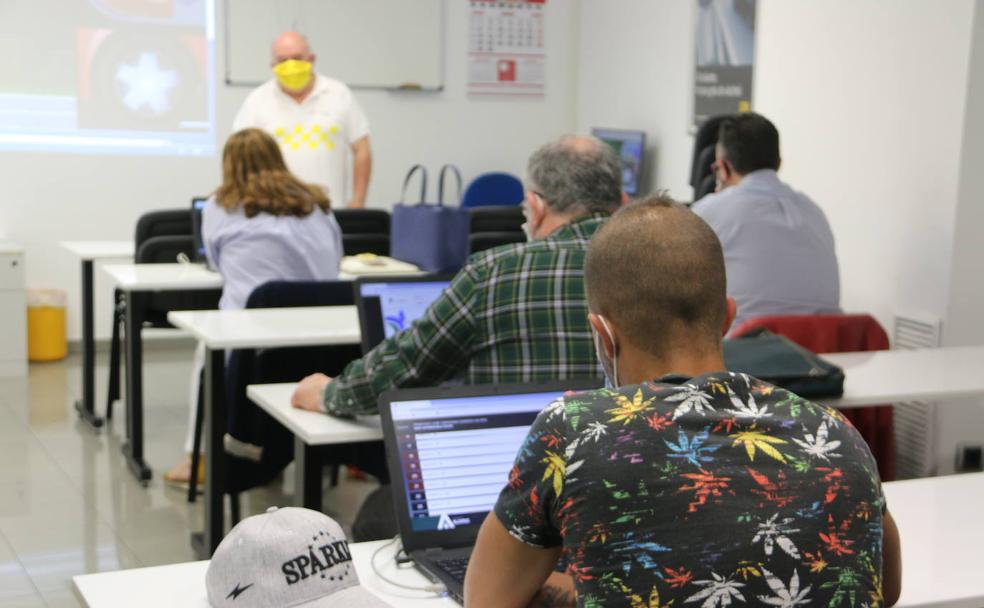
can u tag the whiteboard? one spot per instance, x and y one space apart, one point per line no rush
363 43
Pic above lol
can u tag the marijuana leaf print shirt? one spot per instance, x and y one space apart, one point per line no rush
720 490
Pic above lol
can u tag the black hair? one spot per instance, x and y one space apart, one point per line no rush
750 142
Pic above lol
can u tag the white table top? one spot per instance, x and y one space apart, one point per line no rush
97 250
938 518
271 327
942 533
184 584
313 428
890 376
163 277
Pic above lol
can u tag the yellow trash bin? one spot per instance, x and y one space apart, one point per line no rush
46 339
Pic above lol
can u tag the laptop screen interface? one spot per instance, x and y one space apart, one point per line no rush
456 453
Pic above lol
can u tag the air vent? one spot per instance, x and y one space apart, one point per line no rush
915 421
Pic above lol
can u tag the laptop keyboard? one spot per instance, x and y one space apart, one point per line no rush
454 566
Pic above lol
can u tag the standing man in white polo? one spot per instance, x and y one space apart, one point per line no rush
315 119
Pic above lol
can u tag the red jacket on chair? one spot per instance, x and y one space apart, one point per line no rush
842 334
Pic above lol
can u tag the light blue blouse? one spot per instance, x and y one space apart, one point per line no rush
248 252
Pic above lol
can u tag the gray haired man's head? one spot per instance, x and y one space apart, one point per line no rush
576 175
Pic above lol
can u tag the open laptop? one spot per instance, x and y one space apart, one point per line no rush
388 305
449 451
197 206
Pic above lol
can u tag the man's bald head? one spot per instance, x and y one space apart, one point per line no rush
290 45
656 271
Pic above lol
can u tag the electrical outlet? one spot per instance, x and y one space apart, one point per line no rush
970 457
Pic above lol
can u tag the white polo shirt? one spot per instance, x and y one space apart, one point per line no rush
315 135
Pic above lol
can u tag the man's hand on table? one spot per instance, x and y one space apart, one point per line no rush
309 394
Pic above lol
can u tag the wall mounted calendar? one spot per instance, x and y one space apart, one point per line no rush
506 55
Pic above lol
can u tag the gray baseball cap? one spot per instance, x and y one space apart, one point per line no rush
285 557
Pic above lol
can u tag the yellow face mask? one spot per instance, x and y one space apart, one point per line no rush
293 74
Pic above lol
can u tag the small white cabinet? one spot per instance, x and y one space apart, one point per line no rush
13 311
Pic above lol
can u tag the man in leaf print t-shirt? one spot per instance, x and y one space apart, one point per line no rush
686 485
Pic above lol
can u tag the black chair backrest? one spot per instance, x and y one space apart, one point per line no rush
165 222
353 244
164 249
707 135
363 221
283 294
246 421
480 241
497 219
706 186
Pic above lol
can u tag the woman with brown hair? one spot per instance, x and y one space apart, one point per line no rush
262 224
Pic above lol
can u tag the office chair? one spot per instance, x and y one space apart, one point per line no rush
496 218
353 244
838 333
480 241
160 236
703 156
364 230
247 422
493 189
363 221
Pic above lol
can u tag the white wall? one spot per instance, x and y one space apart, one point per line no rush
868 96
963 421
874 101
635 72
46 198
869 99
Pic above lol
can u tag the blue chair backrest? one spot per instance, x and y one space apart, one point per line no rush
493 189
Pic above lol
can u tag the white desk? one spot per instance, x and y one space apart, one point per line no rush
271 327
89 252
136 282
184 584
251 328
163 277
313 428
312 431
942 533
939 524
889 376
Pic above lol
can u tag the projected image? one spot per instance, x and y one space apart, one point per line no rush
132 77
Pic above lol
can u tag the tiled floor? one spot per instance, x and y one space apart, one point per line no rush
69 505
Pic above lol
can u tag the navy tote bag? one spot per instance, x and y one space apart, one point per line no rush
432 236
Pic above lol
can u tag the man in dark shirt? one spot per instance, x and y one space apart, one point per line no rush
685 484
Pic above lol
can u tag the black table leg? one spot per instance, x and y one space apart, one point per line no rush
86 407
307 475
215 426
133 448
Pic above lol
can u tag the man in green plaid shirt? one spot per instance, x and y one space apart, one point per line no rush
515 313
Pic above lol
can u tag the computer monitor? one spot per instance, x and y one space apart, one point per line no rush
197 206
388 305
630 147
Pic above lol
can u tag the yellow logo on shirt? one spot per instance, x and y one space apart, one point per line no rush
297 137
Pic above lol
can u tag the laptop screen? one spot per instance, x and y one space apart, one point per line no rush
197 206
455 454
387 307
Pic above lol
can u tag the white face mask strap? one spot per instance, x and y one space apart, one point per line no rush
611 337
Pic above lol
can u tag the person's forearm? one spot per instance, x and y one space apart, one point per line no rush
350 393
891 561
362 169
